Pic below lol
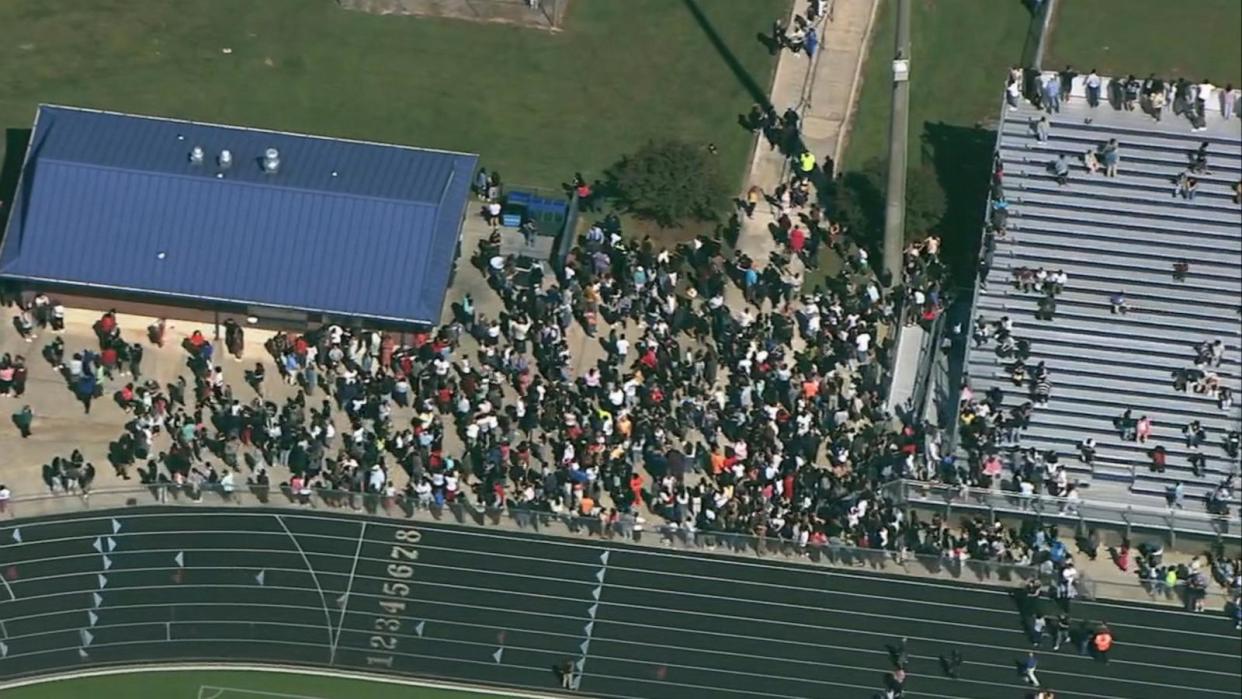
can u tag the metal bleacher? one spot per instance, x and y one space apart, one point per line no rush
1110 235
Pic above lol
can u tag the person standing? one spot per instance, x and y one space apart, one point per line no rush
5 496
135 360
23 419
811 43
1060 631
1092 83
1067 77
1052 94
1110 156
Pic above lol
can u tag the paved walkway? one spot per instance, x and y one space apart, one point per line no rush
822 90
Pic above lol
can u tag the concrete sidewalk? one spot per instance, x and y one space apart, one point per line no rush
823 90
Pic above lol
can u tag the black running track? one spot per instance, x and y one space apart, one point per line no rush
504 608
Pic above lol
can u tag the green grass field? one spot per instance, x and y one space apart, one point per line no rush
1192 39
536 106
960 51
230 685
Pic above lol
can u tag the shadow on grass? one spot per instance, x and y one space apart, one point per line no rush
961 158
15 142
757 93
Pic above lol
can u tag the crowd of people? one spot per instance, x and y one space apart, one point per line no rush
1192 101
729 398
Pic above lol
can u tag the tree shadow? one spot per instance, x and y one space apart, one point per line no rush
961 158
757 92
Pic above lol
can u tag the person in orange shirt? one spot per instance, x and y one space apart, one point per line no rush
717 461
1101 642
587 506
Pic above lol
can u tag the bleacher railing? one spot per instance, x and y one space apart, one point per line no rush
1083 513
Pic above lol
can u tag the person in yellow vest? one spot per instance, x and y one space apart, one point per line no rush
806 162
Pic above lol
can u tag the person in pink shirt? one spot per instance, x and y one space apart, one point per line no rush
1143 429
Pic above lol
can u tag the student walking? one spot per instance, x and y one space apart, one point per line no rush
1038 624
1028 670
23 419
1060 631
951 662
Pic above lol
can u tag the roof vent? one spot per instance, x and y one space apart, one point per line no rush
196 155
271 161
226 159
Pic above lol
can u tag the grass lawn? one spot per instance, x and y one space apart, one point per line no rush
960 52
536 106
230 685
1193 39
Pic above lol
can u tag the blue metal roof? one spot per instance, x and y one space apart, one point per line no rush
343 227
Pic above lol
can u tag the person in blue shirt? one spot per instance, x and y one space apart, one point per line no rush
1028 670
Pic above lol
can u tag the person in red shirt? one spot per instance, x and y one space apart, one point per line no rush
107 359
797 240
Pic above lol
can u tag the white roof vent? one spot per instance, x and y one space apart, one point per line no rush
226 159
271 161
196 155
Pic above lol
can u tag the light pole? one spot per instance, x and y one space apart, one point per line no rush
895 204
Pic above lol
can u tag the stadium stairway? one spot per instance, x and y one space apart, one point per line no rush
1120 234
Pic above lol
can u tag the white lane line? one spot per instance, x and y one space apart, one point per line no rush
202 692
672 632
349 587
261 693
455 586
327 616
646 572
8 589
796 567
512 690
592 611
278 669
722 558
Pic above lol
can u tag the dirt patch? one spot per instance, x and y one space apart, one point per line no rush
539 14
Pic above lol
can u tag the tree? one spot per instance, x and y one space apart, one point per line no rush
859 200
670 181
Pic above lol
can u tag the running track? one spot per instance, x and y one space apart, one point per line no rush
503 608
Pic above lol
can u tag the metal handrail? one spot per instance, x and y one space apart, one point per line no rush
629 529
1126 516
